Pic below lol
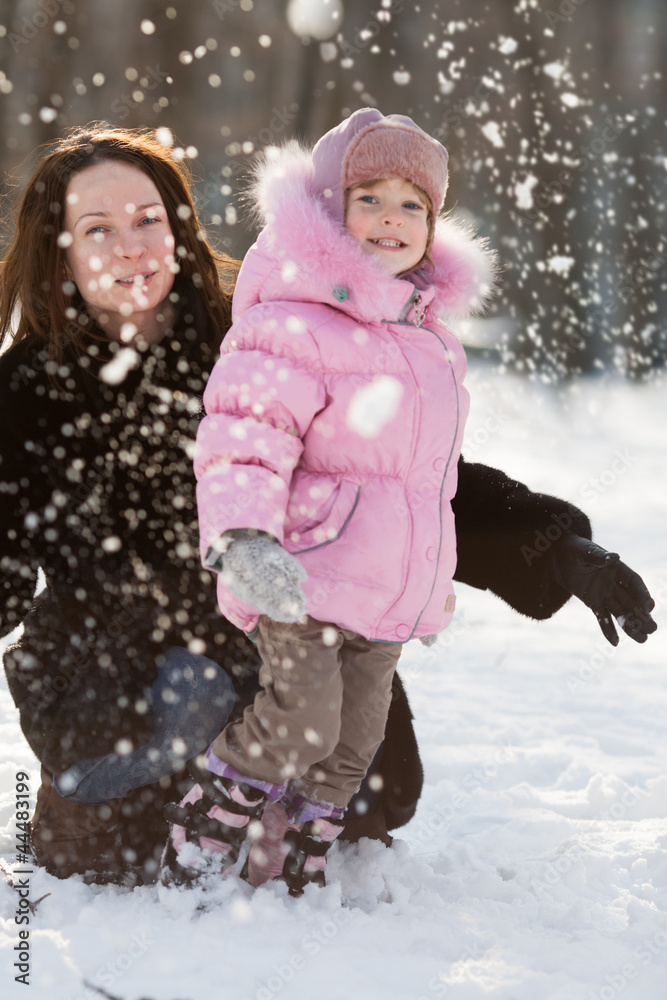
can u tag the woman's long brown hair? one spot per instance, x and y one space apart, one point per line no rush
32 297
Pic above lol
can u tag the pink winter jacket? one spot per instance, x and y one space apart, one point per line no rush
335 413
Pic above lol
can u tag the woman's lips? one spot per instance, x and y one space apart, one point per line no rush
136 280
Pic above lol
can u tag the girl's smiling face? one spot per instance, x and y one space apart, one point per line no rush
120 247
389 218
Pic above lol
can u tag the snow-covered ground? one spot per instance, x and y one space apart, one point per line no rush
536 867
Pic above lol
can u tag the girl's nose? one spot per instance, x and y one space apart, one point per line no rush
392 217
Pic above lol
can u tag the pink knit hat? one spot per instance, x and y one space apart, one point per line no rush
368 146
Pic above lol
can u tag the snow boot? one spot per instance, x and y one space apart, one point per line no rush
69 838
291 852
210 824
119 841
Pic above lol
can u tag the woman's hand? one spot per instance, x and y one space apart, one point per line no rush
606 585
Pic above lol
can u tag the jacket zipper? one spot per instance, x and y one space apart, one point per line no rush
415 300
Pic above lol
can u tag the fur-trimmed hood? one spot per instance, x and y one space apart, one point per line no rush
303 254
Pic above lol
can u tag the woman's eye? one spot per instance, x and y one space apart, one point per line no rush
149 219
95 230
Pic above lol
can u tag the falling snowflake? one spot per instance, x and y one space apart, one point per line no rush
373 406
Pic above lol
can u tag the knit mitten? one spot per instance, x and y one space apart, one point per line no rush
259 571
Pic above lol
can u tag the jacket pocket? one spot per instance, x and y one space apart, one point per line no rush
328 523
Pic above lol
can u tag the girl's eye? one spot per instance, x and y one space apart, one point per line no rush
412 204
368 198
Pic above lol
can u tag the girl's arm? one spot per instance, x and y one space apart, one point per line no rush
260 401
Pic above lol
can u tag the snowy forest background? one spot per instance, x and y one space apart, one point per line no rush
553 112
536 866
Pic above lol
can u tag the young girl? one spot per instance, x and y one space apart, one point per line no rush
326 467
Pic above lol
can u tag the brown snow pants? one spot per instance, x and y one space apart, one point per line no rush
321 713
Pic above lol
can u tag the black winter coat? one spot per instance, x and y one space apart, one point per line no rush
97 491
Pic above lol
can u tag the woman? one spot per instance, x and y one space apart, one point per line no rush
112 309
121 307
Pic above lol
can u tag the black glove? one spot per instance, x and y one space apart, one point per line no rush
606 585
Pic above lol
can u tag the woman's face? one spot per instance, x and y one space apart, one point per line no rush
120 247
